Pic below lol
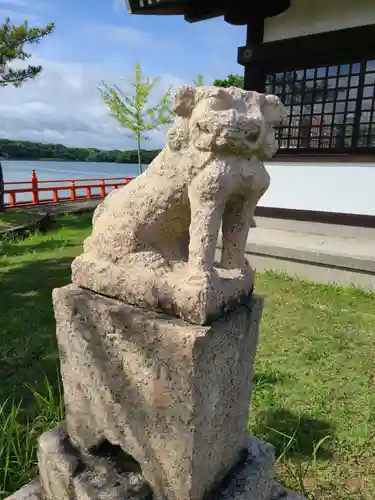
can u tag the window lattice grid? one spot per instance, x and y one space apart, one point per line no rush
329 108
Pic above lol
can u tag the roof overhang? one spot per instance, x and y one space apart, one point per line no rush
236 12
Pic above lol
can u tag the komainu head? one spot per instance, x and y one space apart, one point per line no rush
226 121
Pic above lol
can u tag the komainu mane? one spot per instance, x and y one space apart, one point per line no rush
154 240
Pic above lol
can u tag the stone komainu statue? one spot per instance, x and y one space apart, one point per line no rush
158 235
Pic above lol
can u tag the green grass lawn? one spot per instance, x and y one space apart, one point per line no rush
314 395
11 218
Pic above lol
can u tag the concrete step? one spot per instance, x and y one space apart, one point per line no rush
321 253
341 231
348 253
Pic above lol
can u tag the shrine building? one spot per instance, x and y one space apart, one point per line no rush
319 58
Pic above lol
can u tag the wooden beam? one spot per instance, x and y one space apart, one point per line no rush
155 7
334 47
254 77
198 10
242 12
237 12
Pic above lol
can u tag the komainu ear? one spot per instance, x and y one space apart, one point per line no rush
184 101
273 110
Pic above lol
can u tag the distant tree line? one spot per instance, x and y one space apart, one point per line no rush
27 150
230 81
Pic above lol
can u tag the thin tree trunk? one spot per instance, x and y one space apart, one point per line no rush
2 204
139 155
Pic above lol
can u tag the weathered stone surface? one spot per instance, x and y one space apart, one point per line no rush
30 491
153 241
199 299
66 475
173 395
252 479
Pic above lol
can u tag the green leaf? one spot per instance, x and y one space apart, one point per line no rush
199 81
12 41
231 81
132 110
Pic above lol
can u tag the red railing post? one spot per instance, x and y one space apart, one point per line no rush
12 198
102 188
88 193
73 191
34 187
55 195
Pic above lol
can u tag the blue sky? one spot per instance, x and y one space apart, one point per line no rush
98 40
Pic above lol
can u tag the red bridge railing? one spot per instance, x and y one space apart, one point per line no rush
54 191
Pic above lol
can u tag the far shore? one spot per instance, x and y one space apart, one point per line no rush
65 160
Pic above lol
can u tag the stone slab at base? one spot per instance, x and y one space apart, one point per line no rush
199 299
173 395
65 475
31 491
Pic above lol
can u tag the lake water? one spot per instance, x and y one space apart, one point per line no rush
20 171
49 170
332 187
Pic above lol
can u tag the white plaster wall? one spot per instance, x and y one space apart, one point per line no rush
329 187
306 17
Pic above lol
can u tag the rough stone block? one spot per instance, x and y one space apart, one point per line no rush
30 491
198 299
66 475
251 479
173 395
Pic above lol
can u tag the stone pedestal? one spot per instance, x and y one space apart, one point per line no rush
173 395
68 475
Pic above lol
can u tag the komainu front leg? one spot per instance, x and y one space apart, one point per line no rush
237 219
204 231
207 197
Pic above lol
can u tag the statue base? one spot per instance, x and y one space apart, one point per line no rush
109 474
197 298
172 394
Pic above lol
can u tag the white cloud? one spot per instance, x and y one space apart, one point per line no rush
124 35
19 10
14 3
22 4
17 17
63 105
34 11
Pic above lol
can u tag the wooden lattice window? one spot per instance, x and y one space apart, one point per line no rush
330 108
